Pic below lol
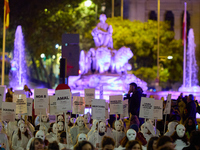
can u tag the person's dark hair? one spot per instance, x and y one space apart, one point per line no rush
190 128
163 140
62 136
133 84
194 138
130 144
165 148
20 134
191 97
175 136
140 89
150 143
32 146
79 145
52 146
107 141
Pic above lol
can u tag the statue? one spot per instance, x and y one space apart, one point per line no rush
102 34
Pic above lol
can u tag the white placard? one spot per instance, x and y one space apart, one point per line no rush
158 109
41 100
98 109
106 111
168 105
41 111
21 103
78 105
8 111
19 92
125 109
29 106
53 107
2 94
89 95
116 104
63 100
146 107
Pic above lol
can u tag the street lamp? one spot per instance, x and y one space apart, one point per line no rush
169 57
88 3
42 55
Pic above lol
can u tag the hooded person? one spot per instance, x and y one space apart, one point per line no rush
118 134
171 128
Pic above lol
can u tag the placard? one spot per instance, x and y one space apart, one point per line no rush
8 111
106 111
63 100
125 109
2 94
29 106
116 104
168 105
158 109
41 98
19 92
78 105
21 103
41 111
53 107
89 95
98 109
146 107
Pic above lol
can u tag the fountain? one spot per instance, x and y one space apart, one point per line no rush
104 65
18 64
191 80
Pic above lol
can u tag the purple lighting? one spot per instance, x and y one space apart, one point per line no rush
18 64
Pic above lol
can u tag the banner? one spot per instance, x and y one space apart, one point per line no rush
2 94
41 98
98 109
125 109
158 109
106 111
63 100
21 103
8 111
168 105
53 107
146 107
29 106
78 105
116 104
89 95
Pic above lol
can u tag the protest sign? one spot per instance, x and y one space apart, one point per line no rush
106 111
21 103
2 94
63 100
29 106
41 98
116 104
89 95
53 107
98 109
19 92
168 105
8 111
125 109
41 111
158 109
146 107
78 105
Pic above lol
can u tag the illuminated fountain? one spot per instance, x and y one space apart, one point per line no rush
104 65
18 64
191 80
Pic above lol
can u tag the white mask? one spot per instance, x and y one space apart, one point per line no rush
55 128
67 118
80 121
60 118
19 123
131 134
82 137
61 126
44 118
22 127
40 134
102 127
86 118
144 129
118 126
180 130
72 120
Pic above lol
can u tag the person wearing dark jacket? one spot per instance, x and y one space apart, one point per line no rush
194 141
191 108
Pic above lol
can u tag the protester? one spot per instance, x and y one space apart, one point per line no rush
165 141
189 126
53 146
84 145
37 144
194 141
191 108
133 145
107 143
152 143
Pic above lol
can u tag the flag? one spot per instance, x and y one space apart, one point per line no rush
185 25
6 13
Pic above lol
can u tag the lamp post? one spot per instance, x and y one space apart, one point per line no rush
113 4
122 9
158 43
